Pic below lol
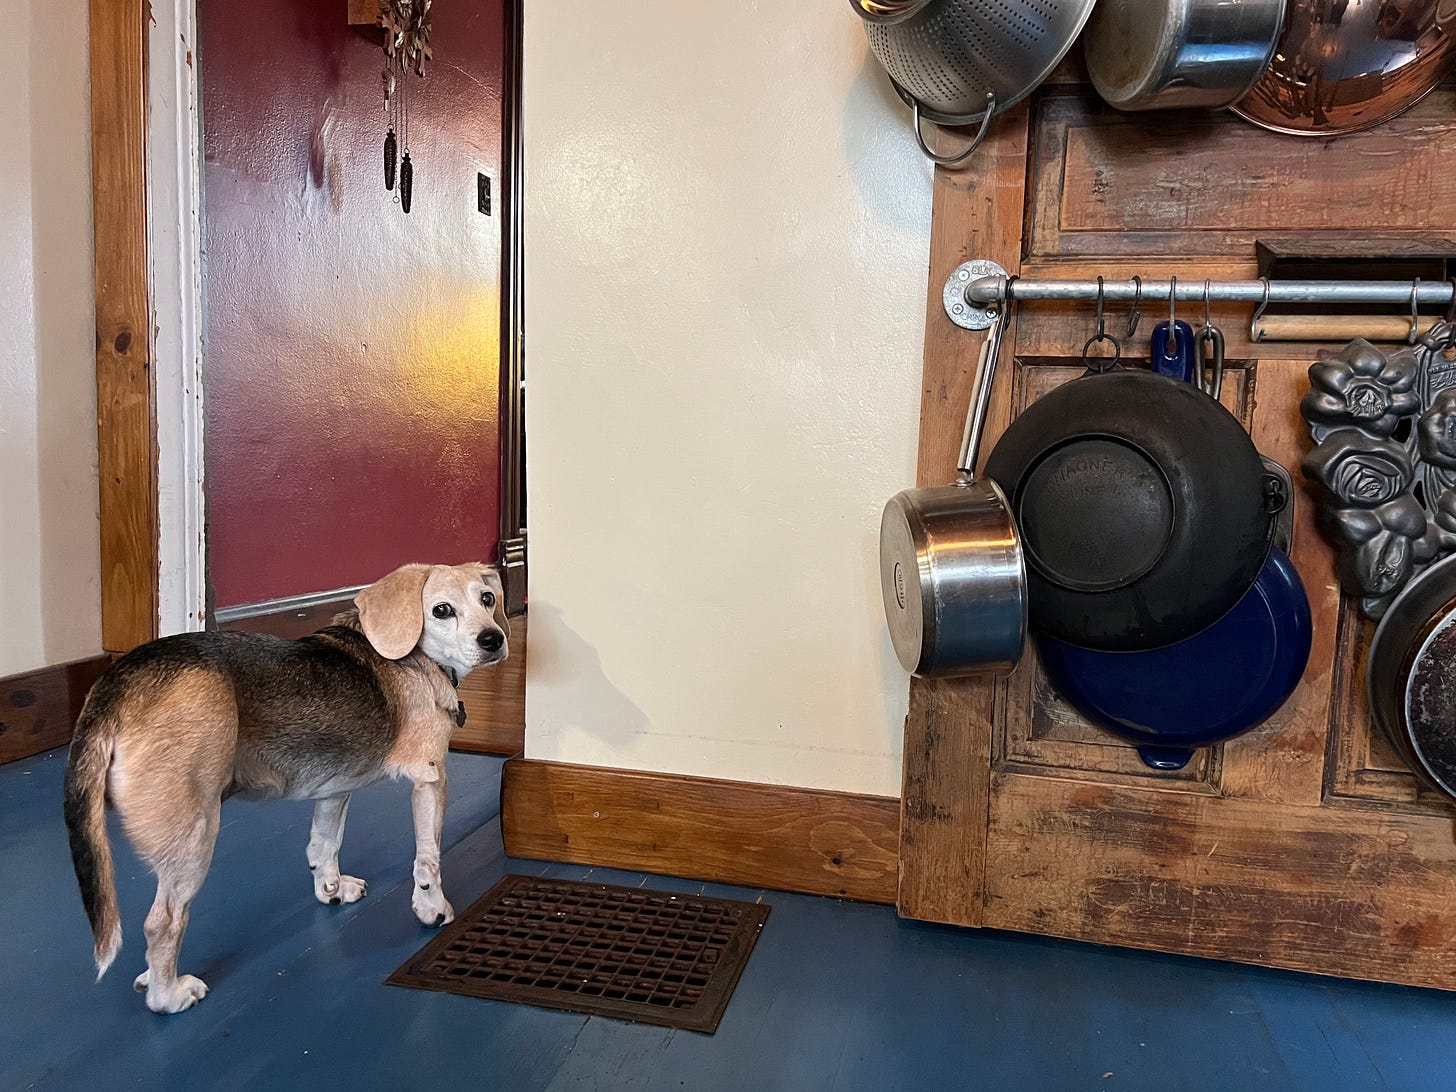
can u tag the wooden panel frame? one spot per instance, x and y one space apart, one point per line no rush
813 841
125 396
976 213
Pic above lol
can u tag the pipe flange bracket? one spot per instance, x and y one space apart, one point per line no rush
967 315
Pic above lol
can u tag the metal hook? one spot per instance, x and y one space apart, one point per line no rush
1451 307
1415 327
1101 335
1135 315
1172 349
1207 314
1255 334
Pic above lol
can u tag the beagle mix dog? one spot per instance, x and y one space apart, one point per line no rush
178 725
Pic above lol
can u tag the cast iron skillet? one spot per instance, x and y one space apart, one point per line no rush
1144 508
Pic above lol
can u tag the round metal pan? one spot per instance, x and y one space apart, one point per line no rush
1157 54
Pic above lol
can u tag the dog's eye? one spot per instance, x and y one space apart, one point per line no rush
444 610
487 599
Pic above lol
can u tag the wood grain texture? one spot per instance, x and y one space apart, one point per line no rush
790 839
1312 889
1109 183
1282 761
126 419
38 709
976 213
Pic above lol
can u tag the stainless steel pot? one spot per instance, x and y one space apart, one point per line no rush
1154 54
951 568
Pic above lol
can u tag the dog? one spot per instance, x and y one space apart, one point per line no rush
178 725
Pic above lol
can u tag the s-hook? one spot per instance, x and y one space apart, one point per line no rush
1102 363
1210 382
1135 315
1415 327
1254 333
1172 349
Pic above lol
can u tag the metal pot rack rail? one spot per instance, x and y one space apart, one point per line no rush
975 292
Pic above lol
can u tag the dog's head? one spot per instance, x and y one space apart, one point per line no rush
454 614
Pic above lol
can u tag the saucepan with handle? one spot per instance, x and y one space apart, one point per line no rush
951 568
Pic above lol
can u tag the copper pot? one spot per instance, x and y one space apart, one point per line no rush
1343 65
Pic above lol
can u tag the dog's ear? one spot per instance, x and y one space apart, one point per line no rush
392 611
492 579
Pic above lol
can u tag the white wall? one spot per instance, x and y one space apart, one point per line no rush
49 568
727 231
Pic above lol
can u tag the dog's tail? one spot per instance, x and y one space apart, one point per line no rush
85 803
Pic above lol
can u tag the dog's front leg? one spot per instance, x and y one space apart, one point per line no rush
429 902
323 853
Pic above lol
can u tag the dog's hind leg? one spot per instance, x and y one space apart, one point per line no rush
181 867
429 903
323 853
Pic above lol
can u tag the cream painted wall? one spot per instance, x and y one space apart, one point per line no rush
49 568
727 230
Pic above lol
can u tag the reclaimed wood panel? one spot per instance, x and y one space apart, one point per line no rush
976 213
38 709
1109 183
126 419
1312 889
791 839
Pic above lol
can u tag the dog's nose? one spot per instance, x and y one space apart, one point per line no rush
490 640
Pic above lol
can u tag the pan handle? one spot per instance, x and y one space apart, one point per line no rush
960 157
981 395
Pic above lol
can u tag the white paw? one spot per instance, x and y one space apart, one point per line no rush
186 991
344 889
431 907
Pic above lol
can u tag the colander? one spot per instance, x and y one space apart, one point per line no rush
960 62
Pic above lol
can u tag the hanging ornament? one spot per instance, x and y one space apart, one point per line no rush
391 142
406 26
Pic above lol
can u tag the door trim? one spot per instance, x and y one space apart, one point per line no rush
148 318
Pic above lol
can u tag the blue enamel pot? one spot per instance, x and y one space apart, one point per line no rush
1215 685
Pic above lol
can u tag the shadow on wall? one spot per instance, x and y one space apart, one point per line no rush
879 130
563 664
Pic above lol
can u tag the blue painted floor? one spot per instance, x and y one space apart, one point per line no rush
837 995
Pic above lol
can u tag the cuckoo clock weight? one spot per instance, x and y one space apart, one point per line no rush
406 26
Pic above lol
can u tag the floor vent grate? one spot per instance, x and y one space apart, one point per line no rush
634 954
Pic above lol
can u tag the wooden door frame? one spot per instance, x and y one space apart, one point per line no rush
148 247
145 127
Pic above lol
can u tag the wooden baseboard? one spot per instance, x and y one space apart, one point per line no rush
791 839
38 709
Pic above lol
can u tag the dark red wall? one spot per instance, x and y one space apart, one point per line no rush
352 355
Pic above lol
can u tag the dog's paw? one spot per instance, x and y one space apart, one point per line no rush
185 992
344 889
431 907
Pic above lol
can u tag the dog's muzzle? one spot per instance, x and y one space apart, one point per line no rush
491 640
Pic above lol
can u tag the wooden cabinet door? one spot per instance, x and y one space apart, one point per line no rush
1304 843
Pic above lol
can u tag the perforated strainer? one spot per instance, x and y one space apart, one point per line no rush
960 62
